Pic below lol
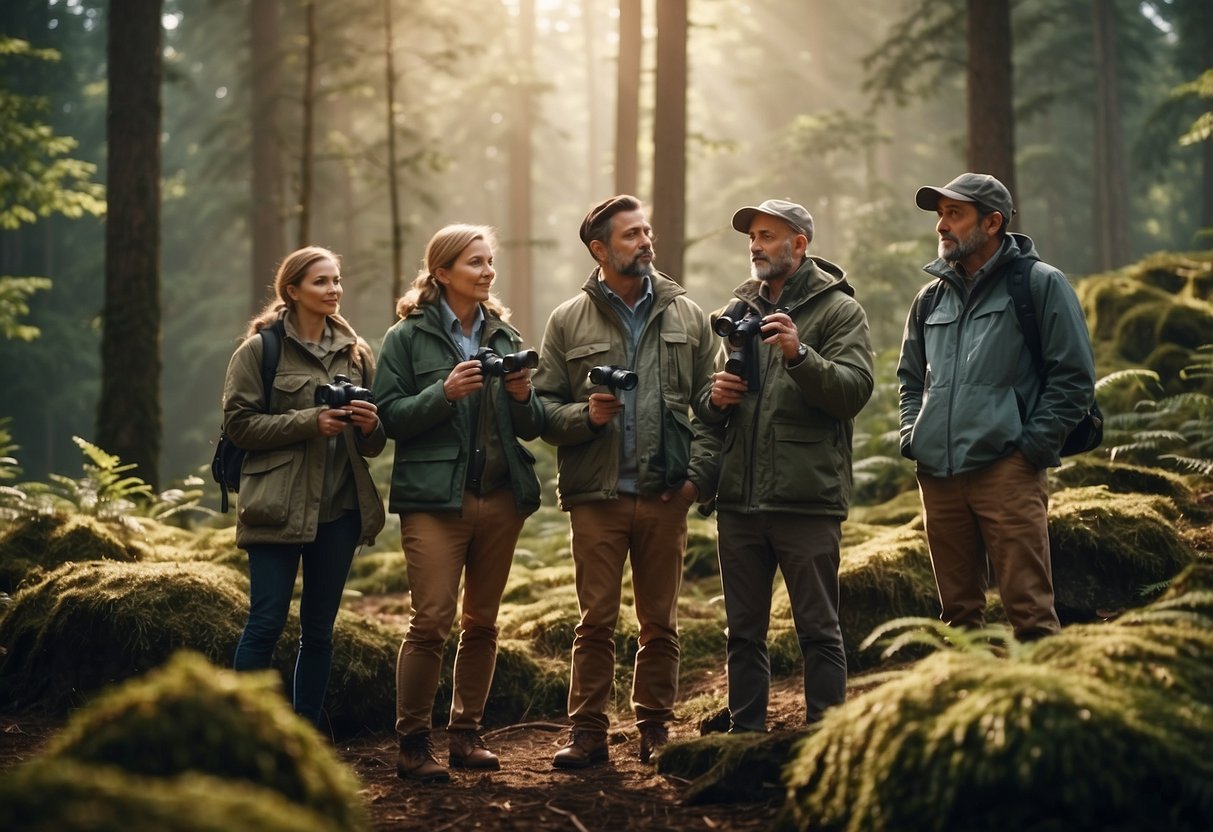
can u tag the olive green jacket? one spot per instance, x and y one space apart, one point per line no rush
283 472
787 446
674 361
434 436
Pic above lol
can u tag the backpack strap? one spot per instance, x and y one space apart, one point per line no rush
1019 286
271 352
924 304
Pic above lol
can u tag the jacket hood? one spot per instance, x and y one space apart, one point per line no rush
1015 245
815 275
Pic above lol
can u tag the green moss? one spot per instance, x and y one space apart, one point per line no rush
1137 332
1106 547
729 768
378 573
1188 325
702 560
904 508
32 546
362 683
190 716
886 577
64 796
967 741
1106 299
1121 478
86 625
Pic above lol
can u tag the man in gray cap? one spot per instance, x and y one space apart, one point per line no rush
991 414
795 370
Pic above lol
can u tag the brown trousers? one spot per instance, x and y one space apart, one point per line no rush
1001 510
439 548
604 534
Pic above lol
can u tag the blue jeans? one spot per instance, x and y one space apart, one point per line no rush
272 570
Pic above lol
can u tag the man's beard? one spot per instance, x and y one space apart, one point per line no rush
633 267
962 248
782 265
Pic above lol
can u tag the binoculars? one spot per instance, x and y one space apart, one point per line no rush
615 378
492 364
738 325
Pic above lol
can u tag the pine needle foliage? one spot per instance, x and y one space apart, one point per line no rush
190 716
62 796
970 741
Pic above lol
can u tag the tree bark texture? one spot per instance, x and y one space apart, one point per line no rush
627 99
1111 187
393 185
670 137
269 239
128 413
991 146
520 183
306 144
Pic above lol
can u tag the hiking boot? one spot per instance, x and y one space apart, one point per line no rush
467 750
416 760
584 748
653 736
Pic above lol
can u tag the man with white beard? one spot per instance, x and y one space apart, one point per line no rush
795 370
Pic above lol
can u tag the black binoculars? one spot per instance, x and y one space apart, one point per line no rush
492 364
616 378
738 323
341 392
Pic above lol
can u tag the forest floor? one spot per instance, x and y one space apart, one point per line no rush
526 795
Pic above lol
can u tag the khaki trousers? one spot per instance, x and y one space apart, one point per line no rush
604 534
439 548
1000 510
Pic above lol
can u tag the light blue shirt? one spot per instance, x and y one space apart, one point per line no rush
633 319
467 344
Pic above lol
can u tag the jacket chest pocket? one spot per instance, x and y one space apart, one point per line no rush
293 391
676 366
431 369
992 343
580 359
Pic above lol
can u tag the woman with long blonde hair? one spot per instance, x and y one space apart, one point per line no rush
462 484
306 492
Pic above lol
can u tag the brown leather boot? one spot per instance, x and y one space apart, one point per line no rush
416 760
583 749
467 750
653 736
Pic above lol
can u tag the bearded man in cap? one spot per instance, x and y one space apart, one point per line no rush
982 418
783 402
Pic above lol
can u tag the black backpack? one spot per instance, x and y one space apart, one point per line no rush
225 467
1088 433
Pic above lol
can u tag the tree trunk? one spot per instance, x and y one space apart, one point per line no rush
627 100
670 137
269 241
309 113
520 175
1111 188
594 144
128 413
393 186
991 147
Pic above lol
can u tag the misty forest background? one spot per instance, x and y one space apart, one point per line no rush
251 128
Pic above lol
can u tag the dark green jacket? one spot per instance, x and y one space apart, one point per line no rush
787 446
434 436
283 474
674 362
974 395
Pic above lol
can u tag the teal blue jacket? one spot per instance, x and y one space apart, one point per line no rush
970 391
434 436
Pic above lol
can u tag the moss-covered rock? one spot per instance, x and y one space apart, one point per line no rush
702 559
64 796
1108 548
378 573
1120 478
1107 299
967 741
87 625
190 716
730 768
904 508
886 577
34 545
1137 332
1187 324
362 682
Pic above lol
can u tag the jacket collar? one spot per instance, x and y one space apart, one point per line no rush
343 334
815 276
665 289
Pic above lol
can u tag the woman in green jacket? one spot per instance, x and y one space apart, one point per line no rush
305 489
462 483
